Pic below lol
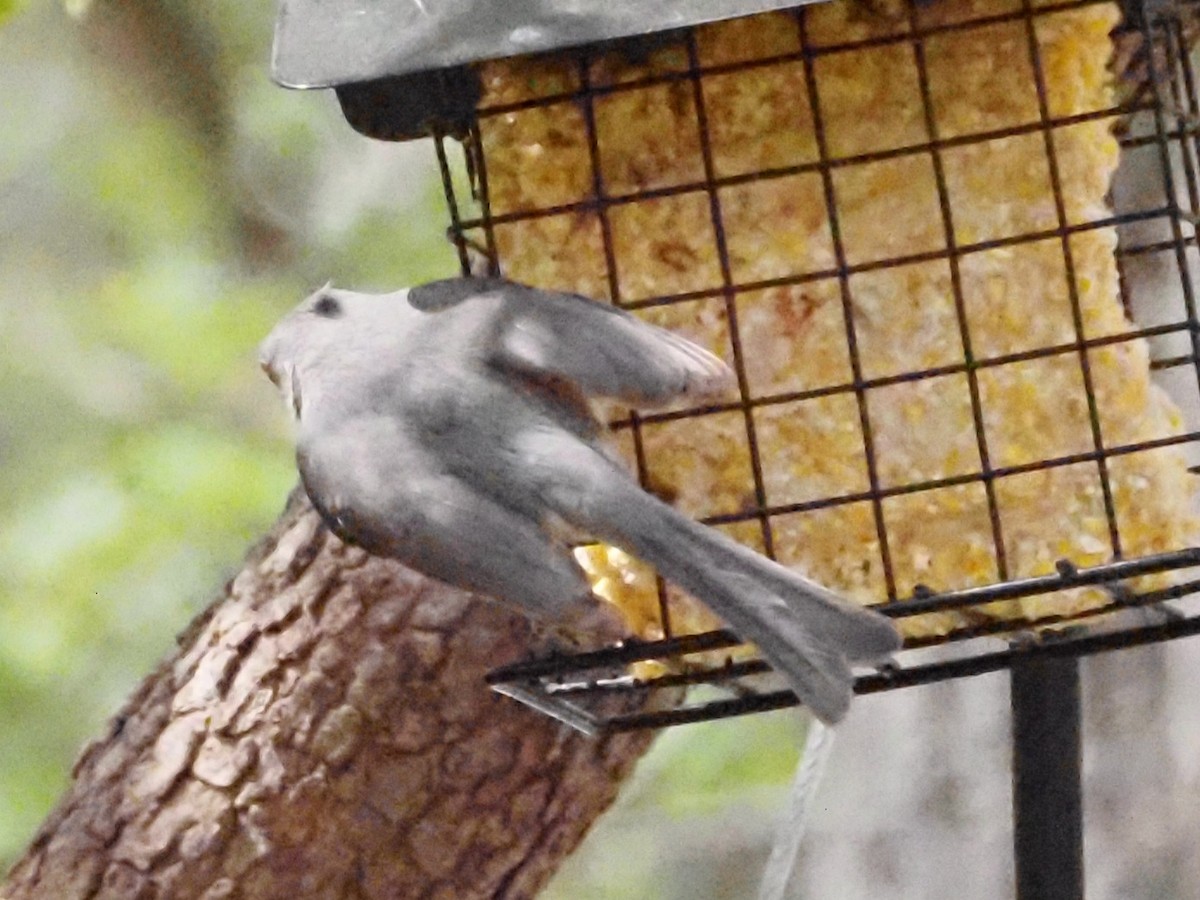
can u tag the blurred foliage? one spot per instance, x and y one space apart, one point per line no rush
9 8
161 204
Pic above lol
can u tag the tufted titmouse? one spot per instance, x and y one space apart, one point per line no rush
448 426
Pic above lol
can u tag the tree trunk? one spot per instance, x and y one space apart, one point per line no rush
324 731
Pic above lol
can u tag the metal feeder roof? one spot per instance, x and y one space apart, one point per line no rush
414 53
325 43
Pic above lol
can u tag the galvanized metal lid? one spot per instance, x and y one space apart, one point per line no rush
326 43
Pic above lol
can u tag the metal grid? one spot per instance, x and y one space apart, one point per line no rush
1160 117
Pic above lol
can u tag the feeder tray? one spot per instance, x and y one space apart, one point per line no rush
573 688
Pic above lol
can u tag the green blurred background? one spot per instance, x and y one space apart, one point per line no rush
161 203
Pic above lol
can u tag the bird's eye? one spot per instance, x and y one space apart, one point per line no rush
328 307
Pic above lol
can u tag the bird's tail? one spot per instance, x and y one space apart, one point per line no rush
804 630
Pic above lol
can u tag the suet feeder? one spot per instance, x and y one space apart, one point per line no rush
897 222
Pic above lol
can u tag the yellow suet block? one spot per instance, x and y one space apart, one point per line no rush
793 338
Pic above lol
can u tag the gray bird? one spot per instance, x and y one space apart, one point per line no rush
448 426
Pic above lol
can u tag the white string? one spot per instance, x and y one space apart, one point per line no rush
781 867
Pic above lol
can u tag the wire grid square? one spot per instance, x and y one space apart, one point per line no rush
559 125
828 280
774 319
874 122
737 146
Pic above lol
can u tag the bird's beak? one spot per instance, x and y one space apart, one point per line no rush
284 378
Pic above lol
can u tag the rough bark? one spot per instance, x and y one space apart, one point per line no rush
324 731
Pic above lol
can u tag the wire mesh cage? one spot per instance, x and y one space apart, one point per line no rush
965 412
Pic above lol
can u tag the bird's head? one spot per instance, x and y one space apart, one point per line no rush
328 329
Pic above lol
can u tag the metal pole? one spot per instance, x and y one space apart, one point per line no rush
1047 800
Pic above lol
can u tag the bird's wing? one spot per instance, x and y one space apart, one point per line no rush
602 350
376 487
